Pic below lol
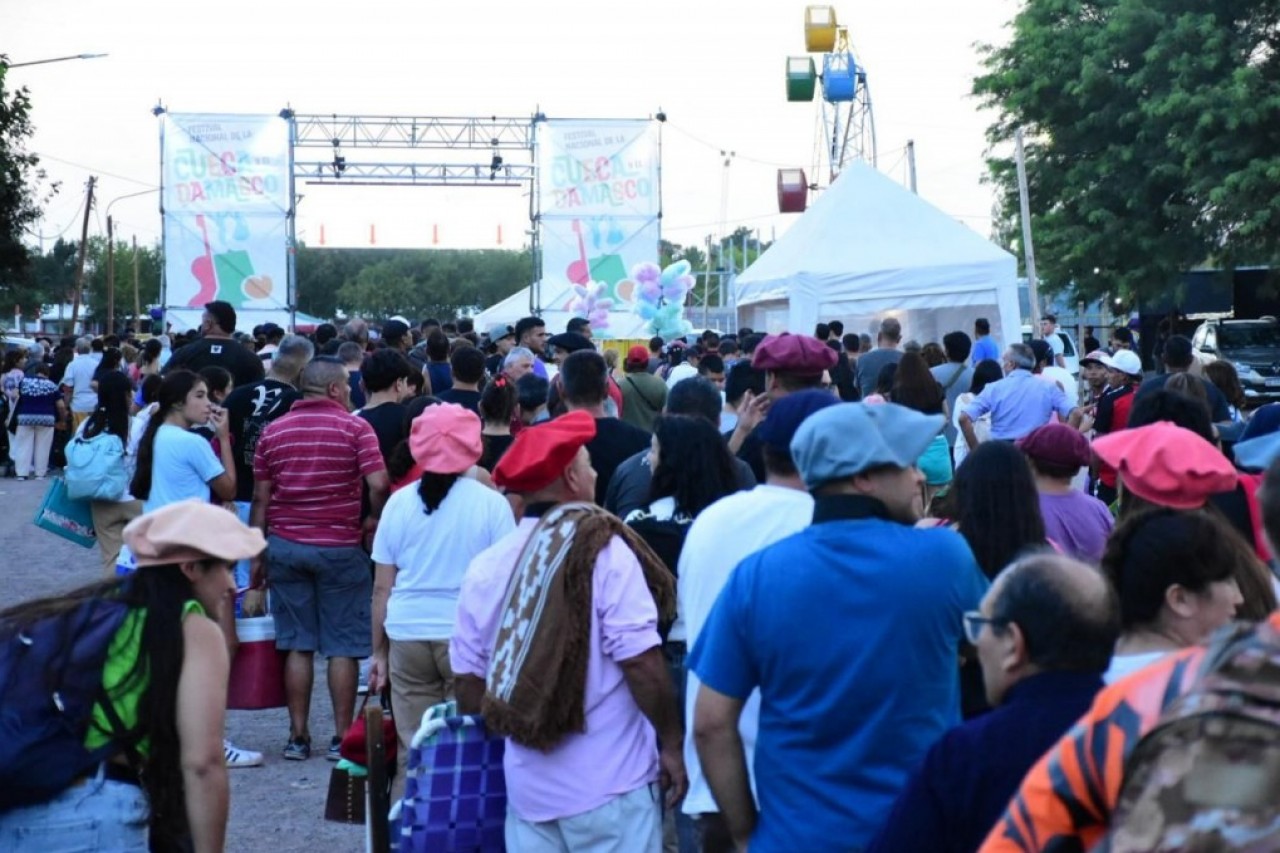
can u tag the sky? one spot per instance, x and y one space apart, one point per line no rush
716 68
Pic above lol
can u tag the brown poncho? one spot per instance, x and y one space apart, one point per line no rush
536 689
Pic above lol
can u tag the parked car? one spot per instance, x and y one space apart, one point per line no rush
1252 347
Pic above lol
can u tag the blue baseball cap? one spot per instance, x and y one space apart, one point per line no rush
847 439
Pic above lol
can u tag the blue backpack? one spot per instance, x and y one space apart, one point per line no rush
50 679
96 468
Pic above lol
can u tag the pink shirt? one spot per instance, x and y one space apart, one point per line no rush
316 458
618 751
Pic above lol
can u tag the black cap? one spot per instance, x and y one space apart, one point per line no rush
570 342
394 330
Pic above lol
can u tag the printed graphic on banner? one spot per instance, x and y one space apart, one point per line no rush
598 169
598 197
226 201
569 258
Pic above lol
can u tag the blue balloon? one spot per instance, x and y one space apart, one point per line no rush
156 314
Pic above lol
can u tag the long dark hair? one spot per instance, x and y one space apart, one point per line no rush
433 488
984 373
173 395
498 401
997 506
694 466
150 351
915 387
111 357
161 592
112 414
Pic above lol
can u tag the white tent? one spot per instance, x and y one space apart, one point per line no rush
624 324
868 249
183 319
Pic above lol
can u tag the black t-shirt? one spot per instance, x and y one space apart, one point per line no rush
387 420
245 366
465 399
494 447
615 442
249 409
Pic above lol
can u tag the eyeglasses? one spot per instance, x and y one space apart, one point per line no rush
973 622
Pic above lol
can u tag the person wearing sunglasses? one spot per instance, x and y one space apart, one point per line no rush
1044 634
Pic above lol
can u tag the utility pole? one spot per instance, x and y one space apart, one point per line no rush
111 277
84 244
1028 249
911 164
137 308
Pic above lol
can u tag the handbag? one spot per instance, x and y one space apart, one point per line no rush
354 747
62 516
96 468
345 802
455 796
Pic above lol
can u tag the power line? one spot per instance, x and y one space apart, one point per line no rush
97 171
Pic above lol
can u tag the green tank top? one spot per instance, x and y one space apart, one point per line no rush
126 693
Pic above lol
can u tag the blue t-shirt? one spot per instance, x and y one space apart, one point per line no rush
985 349
851 630
182 464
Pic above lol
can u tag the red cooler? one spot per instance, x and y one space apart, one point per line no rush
257 673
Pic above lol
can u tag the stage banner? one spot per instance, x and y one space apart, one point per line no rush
226 206
599 204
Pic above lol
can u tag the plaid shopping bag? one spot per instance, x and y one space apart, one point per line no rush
455 797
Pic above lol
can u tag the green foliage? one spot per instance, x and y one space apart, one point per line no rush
150 262
417 283
20 177
1152 137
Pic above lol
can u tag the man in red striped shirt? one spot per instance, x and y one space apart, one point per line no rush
307 469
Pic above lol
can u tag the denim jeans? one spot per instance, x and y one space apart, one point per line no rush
96 814
685 833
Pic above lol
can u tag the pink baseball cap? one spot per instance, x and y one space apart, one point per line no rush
445 439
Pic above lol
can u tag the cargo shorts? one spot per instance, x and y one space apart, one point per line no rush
321 598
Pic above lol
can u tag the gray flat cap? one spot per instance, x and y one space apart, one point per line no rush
848 439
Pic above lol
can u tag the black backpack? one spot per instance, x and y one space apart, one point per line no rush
50 679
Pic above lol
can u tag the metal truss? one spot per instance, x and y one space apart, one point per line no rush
421 174
351 131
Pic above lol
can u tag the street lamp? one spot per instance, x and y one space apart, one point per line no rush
55 59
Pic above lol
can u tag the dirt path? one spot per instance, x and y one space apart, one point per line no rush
277 808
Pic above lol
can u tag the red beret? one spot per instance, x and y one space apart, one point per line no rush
788 353
540 454
1167 465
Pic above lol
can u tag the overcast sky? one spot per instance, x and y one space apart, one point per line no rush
715 67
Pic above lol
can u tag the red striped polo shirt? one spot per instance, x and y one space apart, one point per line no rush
316 457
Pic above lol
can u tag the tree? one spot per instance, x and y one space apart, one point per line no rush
150 262
20 177
1153 137
421 283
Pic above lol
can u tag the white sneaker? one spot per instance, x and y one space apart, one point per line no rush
237 757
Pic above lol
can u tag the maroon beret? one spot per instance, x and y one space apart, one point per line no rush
1056 444
788 353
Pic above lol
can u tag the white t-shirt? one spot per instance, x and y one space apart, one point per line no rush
182 464
79 378
1122 665
1054 340
727 532
431 553
683 370
1062 377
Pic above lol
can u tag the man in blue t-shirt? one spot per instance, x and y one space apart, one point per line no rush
850 630
984 346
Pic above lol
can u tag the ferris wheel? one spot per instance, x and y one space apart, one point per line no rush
845 123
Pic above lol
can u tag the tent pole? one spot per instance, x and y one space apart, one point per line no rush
1024 199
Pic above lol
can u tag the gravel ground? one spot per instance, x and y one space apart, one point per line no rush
276 808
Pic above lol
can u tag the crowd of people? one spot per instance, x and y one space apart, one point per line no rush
786 591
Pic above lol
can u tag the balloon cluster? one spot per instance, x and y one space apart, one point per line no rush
660 297
590 301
